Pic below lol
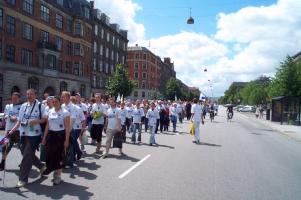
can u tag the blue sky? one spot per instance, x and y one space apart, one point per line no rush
167 17
235 40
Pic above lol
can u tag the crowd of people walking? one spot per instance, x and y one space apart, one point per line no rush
58 127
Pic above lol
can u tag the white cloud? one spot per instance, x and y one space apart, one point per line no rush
123 12
247 43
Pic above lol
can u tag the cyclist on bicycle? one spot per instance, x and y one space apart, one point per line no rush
230 112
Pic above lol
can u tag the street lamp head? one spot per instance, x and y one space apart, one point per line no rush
190 20
205 70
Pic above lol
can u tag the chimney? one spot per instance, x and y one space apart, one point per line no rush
92 4
136 45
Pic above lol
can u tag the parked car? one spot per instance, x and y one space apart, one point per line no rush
247 109
2 121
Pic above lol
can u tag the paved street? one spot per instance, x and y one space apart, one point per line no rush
237 160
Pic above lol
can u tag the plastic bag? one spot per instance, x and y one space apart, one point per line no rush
192 129
85 138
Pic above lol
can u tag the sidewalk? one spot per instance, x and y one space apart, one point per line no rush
291 131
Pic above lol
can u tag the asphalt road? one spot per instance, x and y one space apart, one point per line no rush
237 160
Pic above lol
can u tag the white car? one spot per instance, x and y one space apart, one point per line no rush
247 109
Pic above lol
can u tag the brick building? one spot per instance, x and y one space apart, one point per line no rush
145 69
109 49
49 45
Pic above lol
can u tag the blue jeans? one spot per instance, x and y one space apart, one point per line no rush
74 146
135 127
173 119
152 129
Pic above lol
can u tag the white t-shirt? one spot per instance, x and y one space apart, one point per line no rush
11 111
98 108
129 111
83 106
113 116
80 117
173 111
197 110
152 116
122 113
25 116
56 119
137 114
71 109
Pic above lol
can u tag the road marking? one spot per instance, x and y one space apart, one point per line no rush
134 166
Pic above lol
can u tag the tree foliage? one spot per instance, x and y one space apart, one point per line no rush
172 89
287 81
120 83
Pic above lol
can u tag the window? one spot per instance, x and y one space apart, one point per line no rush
59 21
11 2
94 64
144 75
0 49
123 60
27 31
87 13
94 81
94 47
51 62
117 57
82 90
113 40
100 82
112 55
76 69
26 57
143 94
59 43
69 25
124 46
107 52
101 50
78 29
33 83
69 48
44 13
108 37
10 25
10 53
68 68
136 75
81 70
100 65
117 43
1 18
137 56
60 2
102 33
143 84
112 69
96 30
135 93
107 68
144 56
76 49
28 6
136 66
1 82
144 66
44 36
63 86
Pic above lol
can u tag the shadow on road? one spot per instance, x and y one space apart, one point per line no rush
256 133
123 157
76 172
208 144
52 192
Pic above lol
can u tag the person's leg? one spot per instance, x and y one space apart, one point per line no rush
123 131
197 131
157 125
109 137
146 124
134 133
161 124
99 128
139 132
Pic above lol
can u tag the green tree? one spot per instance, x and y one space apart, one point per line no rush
172 89
119 83
233 94
287 81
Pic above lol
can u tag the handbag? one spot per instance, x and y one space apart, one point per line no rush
192 128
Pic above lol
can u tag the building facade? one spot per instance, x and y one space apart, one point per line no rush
109 49
145 69
45 45
167 72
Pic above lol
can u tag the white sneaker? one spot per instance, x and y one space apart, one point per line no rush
20 184
57 180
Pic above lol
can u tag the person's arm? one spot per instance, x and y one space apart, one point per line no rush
45 133
67 125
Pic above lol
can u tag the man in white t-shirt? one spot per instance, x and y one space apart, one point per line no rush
137 115
113 125
31 116
197 119
152 115
123 113
11 113
129 118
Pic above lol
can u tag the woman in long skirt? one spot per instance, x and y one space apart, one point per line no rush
56 139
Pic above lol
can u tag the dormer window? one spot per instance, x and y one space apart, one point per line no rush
87 12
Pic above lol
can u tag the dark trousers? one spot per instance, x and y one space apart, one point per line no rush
146 124
29 145
123 132
74 143
14 138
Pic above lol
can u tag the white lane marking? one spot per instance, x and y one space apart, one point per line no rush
134 166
